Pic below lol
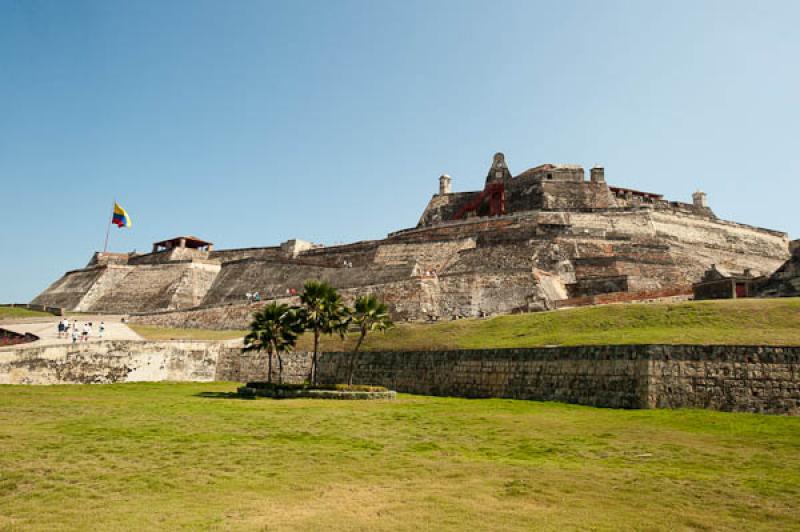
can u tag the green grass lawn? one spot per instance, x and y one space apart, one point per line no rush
170 333
183 456
743 321
7 313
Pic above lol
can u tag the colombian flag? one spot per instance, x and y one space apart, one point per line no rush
120 218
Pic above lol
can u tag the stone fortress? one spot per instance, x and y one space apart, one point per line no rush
545 238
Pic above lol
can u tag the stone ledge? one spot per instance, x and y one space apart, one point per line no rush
246 391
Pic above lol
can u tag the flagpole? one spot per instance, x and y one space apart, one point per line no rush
108 229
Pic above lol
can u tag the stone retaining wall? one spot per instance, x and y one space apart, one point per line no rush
109 362
730 378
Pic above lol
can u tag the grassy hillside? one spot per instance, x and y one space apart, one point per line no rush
744 321
9 313
186 457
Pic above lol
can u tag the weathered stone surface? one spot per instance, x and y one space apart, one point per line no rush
730 378
559 236
108 362
785 281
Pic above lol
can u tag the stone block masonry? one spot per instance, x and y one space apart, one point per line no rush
531 241
729 378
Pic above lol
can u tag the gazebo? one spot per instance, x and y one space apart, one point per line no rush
191 242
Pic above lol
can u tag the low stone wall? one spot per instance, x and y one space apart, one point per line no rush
111 361
613 376
724 377
730 378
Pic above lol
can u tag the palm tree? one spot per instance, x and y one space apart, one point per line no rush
324 313
368 315
274 329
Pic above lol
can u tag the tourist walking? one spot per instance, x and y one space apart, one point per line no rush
74 335
101 330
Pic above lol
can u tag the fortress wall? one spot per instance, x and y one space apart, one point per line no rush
508 257
265 253
635 223
455 229
694 243
102 285
111 361
146 287
731 378
271 279
227 317
68 291
728 378
726 236
357 253
524 193
786 280
428 255
596 376
579 195
443 207
194 284
405 298
168 256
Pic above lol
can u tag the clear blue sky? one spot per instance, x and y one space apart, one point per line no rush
248 123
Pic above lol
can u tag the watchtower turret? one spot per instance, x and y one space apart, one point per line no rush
700 199
444 184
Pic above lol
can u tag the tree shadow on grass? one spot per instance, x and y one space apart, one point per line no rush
223 395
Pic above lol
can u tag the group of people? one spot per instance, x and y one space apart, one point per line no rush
253 297
78 333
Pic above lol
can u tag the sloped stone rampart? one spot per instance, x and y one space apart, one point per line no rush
69 290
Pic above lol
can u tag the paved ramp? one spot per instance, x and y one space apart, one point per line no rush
47 329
